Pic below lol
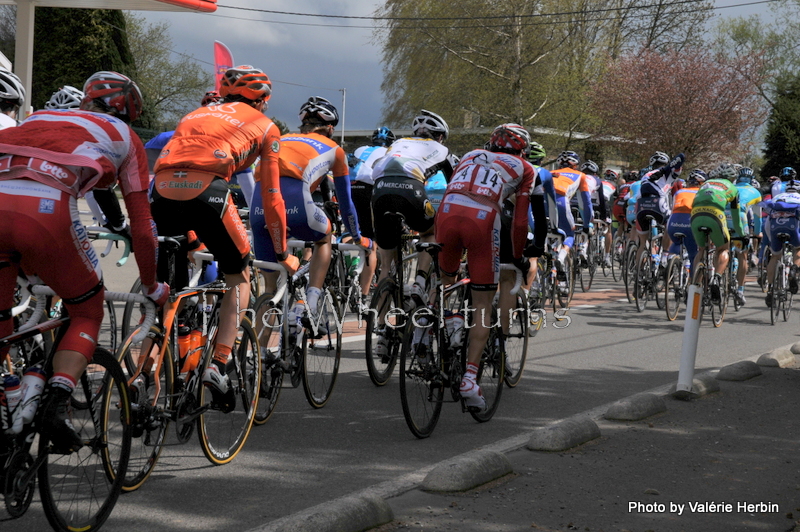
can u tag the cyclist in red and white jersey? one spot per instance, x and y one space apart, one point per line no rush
469 218
12 96
50 160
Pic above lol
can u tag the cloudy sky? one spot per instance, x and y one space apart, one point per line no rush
315 55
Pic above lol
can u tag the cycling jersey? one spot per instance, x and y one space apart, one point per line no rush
435 188
367 156
749 197
6 121
568 183
783 217
414 157
680 221
708 210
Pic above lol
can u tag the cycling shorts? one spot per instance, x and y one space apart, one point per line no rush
463 223
361 193
681 223
618 212
305 220
649 207
782 225
404 195
38 224
714 219
213 216
566 222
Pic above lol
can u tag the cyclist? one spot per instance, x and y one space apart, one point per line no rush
708 210
620 207
400 178
304 162
608 188
361 190
536 155
190 193
654 200
66 97
49 160
749 209
786 174
12 96
469 218
680 219
568 181
210 98
591 170
783 217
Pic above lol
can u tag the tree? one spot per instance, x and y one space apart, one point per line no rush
690 101
171 88
782 143
72 44
8 28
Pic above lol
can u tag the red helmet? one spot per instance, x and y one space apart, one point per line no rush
210 97
246 81
116 91
510 136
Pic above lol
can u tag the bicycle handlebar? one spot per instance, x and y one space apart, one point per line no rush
101 233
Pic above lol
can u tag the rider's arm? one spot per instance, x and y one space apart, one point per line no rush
274 206
341 181
107 200
519 224
585 200
737 218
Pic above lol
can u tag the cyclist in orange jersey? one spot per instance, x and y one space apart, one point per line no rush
190 192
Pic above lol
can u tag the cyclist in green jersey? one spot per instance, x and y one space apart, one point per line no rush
708 210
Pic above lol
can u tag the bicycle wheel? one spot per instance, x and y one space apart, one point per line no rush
271 368
629 271
763 282
674 290
617 258
788 296
718 309
322 350
132 313
775 293
641 284
380 366
79 490
491 374
563 299
421 374
591 267
733 284
149 418
223 434
516 343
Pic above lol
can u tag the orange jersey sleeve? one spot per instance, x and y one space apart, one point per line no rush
268 173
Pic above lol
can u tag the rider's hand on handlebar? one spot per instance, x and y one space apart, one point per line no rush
158 293
124 232
291 263
364 242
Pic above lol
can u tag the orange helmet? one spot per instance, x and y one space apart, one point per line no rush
116 91
246 81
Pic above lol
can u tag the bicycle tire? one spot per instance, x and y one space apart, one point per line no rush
516 343
718 309
223 434
322 353
563 300
491 374
130 318
150 423
775 293
592 262
380 368
271 371
422 385
79 490
629 271
673 289
787 302
641 290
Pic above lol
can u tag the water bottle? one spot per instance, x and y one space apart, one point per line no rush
12 422
454 324
32 385
735 264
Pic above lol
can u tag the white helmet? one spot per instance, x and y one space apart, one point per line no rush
430 123
67 97
11 88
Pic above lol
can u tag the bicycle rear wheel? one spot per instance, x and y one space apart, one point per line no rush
322 351
421 374
641 286
629 271
516 344
271 370
381 366
148 418
491 374
223 434
674 290
718 309
79 490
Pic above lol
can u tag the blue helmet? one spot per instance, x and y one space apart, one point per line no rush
788 173
382 136
697 177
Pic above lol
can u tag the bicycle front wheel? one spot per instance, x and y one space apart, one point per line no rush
380 365
322 350
223 432
79 490
516 344
641 290
421 373
272 336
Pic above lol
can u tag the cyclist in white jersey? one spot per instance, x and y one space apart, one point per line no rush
12 96
400 177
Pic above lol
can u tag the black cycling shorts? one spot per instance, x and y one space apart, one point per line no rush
362 200
402 195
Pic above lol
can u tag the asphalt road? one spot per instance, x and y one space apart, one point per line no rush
302 457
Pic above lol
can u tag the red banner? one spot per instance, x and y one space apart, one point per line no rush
223 60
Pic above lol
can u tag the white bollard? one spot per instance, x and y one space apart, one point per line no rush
691 332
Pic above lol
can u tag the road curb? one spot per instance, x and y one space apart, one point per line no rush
740 371
702 384
348 514
564 435
466 472
636 407
780 357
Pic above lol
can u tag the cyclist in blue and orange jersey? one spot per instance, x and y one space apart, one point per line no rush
783 217
469 218
749 209
400 178
305 160
654 200
48 161
568 182
361 184
680 219
591 170
190 193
